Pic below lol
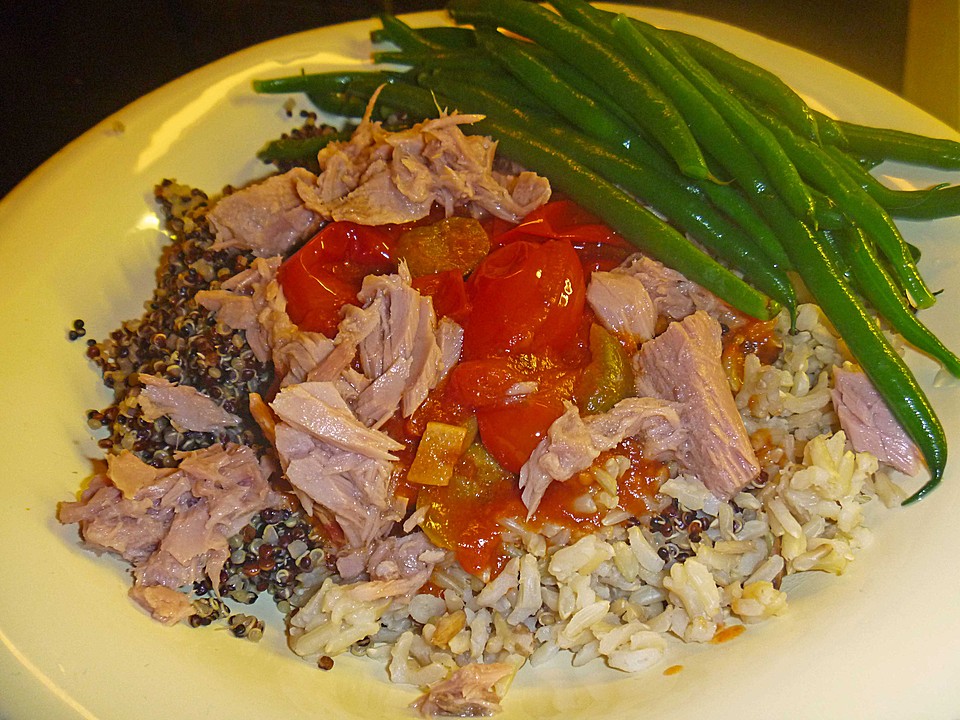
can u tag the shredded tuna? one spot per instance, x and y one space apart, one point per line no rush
396 566
683 365
239 301
469 692
674 296
131 528
129 474
356 325
622 305
187 408
401 354
379 177
267 218
334 461
173 529
574 442
253 301
165 605
396 557
317 408
450 340
869 424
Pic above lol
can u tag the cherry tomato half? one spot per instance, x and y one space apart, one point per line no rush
527 298
449 293
511 432
599 246
326 273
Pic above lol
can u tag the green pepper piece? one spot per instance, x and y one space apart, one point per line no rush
608 378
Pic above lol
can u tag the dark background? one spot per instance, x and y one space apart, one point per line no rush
64 66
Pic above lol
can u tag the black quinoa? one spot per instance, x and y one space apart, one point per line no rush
679 529
180 341
277 552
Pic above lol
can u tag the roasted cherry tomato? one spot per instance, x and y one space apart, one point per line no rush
599 246
512 423
449 293
511 431
326 273
484 382
527 298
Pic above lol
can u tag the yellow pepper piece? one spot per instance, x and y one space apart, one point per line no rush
439 451
454 243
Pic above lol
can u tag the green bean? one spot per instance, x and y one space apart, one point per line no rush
721 140
829 216
314 82
747 77
496 82
462 38
881 291
821 172
579 109
738 209
405 37
818 266
647 104
889 144
591 19
662 58
450 38
829 130
755 81
581 83
594 21
928 204
667 192
338 104
453 58
299 150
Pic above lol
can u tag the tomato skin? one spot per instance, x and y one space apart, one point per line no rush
449 293
562 219
599 246
484 382
326 273
314 303
511 431
527 298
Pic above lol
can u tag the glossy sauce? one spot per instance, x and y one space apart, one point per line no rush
755 337
728 633
526 322
466 516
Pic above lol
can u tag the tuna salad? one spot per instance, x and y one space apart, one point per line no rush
449 420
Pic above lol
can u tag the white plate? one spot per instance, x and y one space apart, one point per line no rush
79 238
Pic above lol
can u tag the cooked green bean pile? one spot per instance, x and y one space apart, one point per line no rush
626 118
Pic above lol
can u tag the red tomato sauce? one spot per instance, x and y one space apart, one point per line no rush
526 342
